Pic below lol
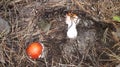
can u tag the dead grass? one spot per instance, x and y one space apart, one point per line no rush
25 15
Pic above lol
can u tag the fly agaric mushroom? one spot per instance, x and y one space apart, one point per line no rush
34 50
72 20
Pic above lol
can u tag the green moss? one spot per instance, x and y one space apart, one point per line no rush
116 18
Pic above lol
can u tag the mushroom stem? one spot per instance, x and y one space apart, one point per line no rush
72 22
72 31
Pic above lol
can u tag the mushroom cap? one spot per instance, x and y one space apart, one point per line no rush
34 50
72 18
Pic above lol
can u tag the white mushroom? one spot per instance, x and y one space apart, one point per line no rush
72 20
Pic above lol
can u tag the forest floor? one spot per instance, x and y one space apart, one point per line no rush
97 44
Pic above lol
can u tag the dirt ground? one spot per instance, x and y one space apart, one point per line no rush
97 43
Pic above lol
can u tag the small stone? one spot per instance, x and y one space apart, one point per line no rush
118 65
4 27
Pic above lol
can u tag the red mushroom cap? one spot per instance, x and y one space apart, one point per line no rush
34 50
